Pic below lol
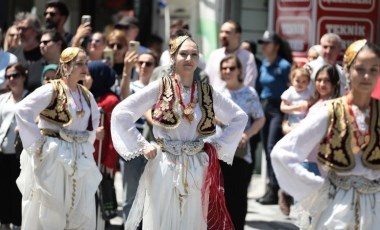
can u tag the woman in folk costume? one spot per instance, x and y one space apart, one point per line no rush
59 177
347 132
180 187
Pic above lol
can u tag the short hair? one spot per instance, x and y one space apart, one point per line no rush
154 55
333 37
118 35
36 24
238 64
62 8
236 25
300 70
56 37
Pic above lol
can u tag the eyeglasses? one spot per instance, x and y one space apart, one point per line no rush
231 68
147 63
96 40
13 75
118 46
50 13
45 42
23 28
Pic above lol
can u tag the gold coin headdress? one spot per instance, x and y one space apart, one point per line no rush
174 44
69 54
352 52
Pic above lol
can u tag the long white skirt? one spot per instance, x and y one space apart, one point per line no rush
336 209
59 186
169 195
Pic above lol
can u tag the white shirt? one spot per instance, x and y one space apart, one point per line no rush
293 98
249 70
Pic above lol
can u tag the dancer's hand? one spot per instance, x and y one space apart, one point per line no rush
150 152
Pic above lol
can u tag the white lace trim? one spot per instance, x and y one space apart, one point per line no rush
127 155
224 156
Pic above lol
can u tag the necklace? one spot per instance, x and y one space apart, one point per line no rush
360 139
187 110
80 112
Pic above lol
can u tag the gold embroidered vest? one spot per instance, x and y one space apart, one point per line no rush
335 149
57 111
165 112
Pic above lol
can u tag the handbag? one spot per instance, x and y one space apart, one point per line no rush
107 197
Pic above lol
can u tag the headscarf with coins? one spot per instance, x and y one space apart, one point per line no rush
352 52
174 44
67 56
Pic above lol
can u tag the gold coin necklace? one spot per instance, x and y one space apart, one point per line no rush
80 112
361 139
187 110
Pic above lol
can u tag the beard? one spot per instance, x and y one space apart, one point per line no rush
224 42
51 24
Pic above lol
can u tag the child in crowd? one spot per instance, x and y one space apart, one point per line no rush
296 98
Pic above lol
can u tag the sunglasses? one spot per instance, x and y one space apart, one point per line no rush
231 68
147 63
45 42
96 40
13 75
50 13
118 46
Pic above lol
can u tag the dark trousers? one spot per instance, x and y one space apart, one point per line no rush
271 133
10 196
236 180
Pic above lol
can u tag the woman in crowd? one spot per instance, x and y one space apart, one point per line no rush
59 177
180 186
10 196
346 133
274 78
117 41
11 39
96 45
247 99
132 170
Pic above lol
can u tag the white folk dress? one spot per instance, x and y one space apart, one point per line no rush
169 194
329 207
58 185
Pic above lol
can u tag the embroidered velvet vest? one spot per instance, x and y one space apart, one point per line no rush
336 148
165 112
57 111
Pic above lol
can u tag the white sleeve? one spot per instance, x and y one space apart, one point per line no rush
286 95
288 154
26 113
235 120
127 140
250 72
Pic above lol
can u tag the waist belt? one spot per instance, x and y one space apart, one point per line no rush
359 183
67 135
181 147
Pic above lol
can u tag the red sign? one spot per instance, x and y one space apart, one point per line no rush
349 29
296 30
347 5
293 23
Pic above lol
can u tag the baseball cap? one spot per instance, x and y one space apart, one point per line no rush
126 22
269 36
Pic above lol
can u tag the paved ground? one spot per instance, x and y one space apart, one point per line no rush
263 217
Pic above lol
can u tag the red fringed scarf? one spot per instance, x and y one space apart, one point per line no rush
218 217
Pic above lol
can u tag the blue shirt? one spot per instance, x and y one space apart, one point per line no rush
274 78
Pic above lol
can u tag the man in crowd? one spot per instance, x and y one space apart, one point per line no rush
29 53
229 36
330 50
56 14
